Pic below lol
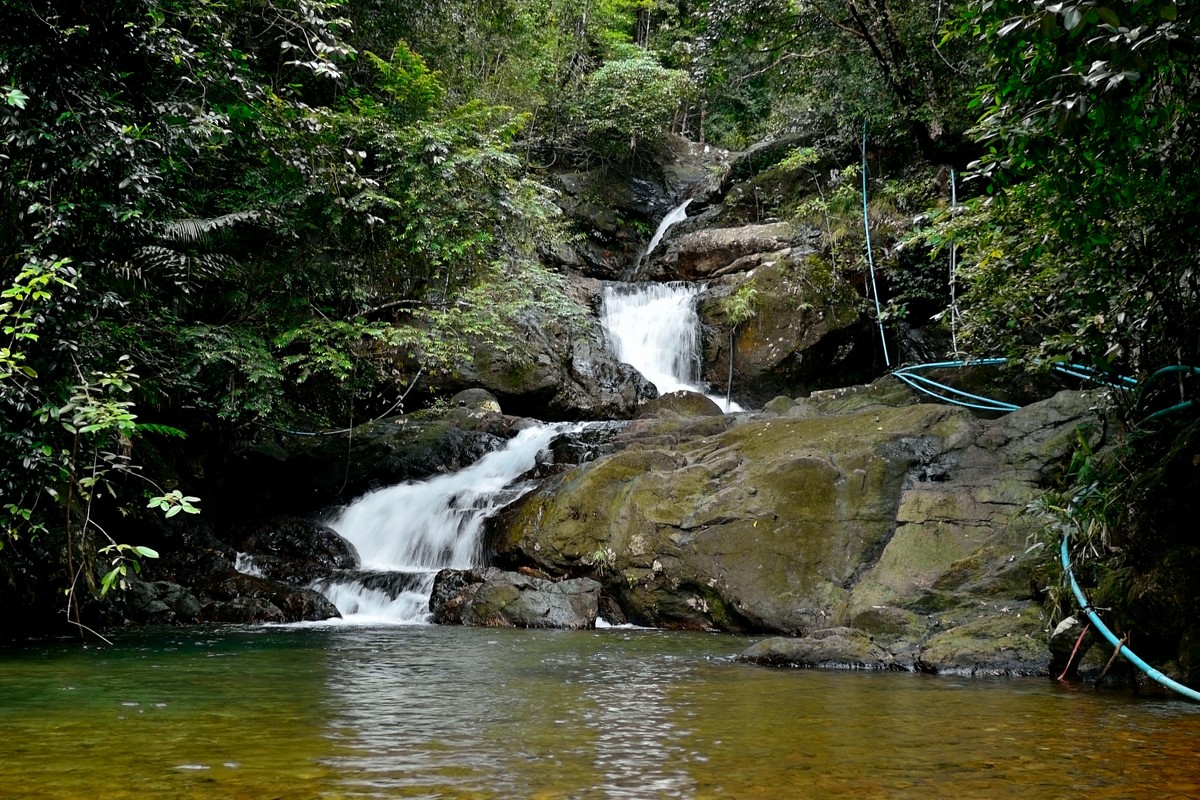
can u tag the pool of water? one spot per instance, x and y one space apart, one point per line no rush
340 712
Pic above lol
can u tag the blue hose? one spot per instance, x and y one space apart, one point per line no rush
1152 673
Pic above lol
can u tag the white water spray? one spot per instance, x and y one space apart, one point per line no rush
677 214
406 533
654 327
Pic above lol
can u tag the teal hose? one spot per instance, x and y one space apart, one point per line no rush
1150 672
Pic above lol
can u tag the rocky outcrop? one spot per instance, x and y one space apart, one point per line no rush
197 581
307 474
680 404
717 251
615 213
808 331
498 599
558 371
856 508
297 551
831 648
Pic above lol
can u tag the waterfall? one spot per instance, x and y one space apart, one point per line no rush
654 327
677 214
406 533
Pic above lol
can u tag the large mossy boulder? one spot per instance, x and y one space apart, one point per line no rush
871 511
808 331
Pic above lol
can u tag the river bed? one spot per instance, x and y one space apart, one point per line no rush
423 711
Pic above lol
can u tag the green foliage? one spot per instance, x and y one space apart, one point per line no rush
774 66
121 557
1092 168
413 92
273 231
738 306
630 102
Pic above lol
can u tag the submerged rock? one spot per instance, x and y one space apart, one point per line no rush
498 599
831 648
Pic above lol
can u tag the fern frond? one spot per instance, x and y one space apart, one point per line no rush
204 230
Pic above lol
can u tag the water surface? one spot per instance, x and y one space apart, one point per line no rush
420 711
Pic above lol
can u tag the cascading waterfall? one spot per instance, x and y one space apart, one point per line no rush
654 327
406 533
677 214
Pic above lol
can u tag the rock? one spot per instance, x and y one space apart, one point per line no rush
831 648
615 213
250 599
314 473
158 603
680 404
476 400
499 599
1063 642
779 405
559 372
989 642
706 253
807 332
900 519
195 580
298 551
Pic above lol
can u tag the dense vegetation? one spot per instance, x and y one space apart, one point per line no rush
221 217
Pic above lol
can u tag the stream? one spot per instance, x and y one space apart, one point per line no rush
432 712
379 704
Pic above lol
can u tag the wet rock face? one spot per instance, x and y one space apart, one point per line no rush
316 472
615 213
196 579
298 551
559 373
498 599
854 508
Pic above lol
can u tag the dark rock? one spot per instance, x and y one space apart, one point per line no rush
244 610
476 400
683 404
831 648
710 252
251 599
158 603
559 373
298 551
495 598
318 472
1063 642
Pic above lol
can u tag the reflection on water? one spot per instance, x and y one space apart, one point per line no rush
459 713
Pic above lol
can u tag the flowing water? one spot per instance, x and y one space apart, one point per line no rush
405 533
431 712
676 215
655 328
